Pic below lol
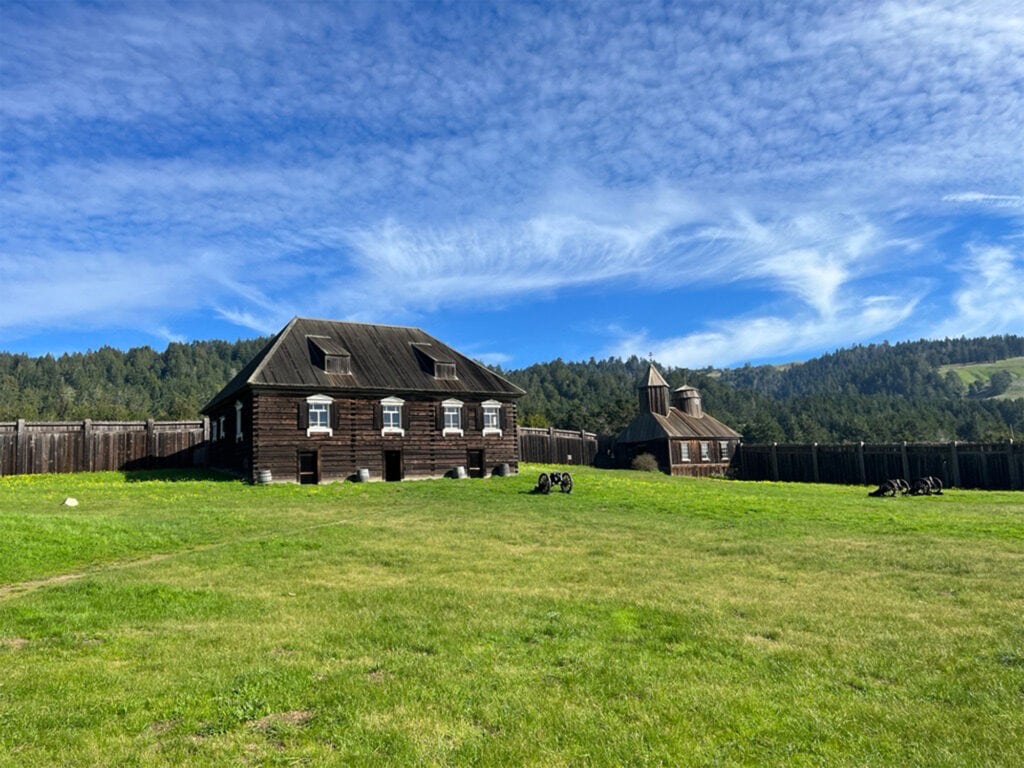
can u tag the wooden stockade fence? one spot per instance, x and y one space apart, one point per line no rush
991 466
28 448
557 446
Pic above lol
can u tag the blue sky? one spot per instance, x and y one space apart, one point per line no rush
710 183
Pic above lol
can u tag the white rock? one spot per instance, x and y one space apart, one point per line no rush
70 502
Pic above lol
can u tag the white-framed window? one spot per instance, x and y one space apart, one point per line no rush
213 431
238 421
723 449
391 416
492 417
319 408
684 451
452 417
705 451
221 429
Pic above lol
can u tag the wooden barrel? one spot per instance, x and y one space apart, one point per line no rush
264 476
363 475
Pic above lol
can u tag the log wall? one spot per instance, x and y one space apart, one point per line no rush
356 443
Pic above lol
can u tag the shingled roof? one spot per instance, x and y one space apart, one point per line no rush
384 359
654 426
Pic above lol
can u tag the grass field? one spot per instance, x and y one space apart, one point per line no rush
972 372
641 620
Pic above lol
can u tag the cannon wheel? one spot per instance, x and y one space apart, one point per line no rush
544 483
566 483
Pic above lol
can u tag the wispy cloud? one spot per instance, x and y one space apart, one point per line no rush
389 161
1002 201
990 297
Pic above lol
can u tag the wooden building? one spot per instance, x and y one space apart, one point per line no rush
326 401
674 428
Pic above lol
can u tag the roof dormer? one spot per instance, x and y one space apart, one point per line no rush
434 361
329 356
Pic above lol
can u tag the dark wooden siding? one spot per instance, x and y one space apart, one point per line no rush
227 452
93 446
557 446
992 466
356 442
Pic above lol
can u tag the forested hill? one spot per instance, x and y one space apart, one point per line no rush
908 391
114 385
884 392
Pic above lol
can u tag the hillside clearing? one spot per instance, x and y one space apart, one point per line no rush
640 620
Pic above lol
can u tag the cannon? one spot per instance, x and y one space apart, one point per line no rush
546 482
926 486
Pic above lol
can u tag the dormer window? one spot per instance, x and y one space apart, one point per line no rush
492 417
434 361
329 355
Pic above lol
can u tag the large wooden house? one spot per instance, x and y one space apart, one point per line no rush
326 401
674 428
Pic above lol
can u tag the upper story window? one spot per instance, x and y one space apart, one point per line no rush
391 416
238 421
705 454
319 409
492 417
452 417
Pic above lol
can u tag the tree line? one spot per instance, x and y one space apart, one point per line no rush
879 392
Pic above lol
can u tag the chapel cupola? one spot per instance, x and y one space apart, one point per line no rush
687 400
653 393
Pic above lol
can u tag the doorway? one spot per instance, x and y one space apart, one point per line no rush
309 468
392 466
475 463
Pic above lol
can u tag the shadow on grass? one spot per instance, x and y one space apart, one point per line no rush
179 476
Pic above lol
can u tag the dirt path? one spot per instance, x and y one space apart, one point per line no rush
22 587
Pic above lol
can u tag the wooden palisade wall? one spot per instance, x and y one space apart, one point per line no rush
92 446
992 466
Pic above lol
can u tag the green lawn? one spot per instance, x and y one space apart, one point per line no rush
641 620
972 372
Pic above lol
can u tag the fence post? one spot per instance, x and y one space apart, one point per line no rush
906 461
814 462
20 448
88 458
150 444
774 456
954 464
860 461
1011 464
